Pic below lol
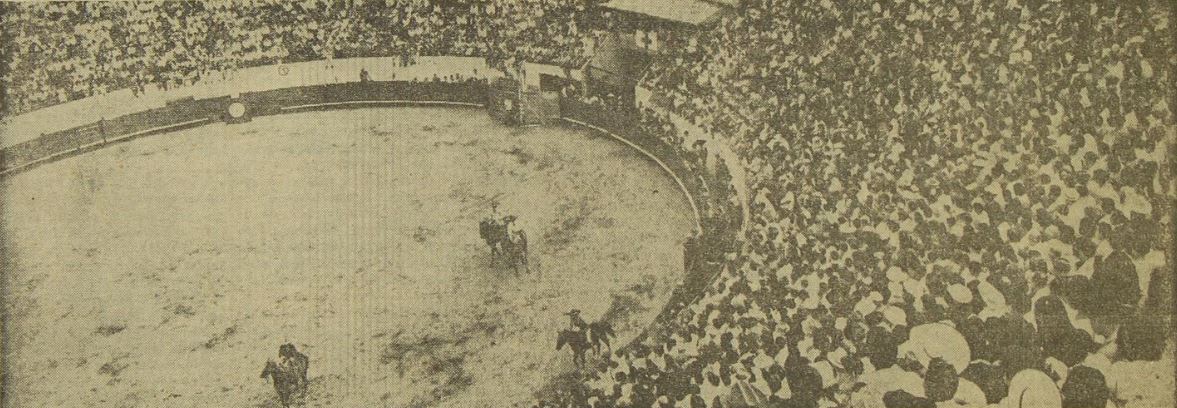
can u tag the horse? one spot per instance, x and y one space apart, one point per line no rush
494 233
591 338
515 249
505 244
287 381
300 364
599 333
289 376
577 341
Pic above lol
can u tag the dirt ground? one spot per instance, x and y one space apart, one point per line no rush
165 271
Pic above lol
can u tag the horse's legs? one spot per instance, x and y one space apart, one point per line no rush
278 390
284 399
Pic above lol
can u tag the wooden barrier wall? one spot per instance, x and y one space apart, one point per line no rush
192 111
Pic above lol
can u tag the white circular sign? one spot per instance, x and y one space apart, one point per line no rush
236 110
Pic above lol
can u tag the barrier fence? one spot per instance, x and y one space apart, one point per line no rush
52 146
704 254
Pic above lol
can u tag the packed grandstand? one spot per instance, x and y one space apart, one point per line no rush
951 203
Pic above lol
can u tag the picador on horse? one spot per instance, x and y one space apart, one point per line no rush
507 244
289 374
581 337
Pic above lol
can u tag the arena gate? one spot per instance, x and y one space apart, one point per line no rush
516 104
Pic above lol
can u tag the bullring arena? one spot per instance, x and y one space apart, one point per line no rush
771 204
358 243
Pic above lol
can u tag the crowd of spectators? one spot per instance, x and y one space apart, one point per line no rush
927 173
952 203
55 52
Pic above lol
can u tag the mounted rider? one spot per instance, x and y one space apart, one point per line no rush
492 223
576 323
583 337
289 374
506 244
292 359
506 221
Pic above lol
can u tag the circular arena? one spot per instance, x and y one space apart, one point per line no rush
352 234
886 204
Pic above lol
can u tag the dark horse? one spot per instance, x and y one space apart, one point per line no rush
599 333
577 341
285 382
505 244
580 341
289 376
494 233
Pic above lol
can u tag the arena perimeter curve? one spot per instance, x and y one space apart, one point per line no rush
350 233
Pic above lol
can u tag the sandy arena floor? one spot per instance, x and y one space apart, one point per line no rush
165 271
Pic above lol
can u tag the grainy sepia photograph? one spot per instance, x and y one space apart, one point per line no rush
587 203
